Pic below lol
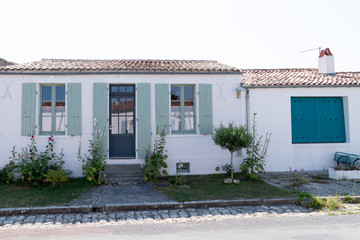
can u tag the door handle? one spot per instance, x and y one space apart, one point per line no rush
109 127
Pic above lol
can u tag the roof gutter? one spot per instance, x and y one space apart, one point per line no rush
109 73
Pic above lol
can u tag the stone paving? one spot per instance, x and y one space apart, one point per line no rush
164 216
318 183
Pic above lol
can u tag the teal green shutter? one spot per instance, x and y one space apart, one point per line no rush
205 109
28 109
143 118
162 106
317 119
74 108
330 119
100 111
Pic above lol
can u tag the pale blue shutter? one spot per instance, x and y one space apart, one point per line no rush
28 109
205 109
143 118
100 111
162 106
74 108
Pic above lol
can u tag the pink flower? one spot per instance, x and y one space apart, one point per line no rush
95 151
149 155
50 138
295 170
32 137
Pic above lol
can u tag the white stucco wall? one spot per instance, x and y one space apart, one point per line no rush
273 108
197 149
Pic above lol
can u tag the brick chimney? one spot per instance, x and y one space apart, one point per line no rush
326 62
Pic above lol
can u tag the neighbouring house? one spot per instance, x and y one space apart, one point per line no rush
128 100
311 113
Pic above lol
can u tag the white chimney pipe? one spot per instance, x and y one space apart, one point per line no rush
326 62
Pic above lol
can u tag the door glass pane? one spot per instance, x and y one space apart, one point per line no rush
130 125
129 105
122 125
114 124
130 89
122 107
46 123
114 89
60 123
114 105
60 93
46 93
122 89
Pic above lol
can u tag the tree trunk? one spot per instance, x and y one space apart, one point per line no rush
232 168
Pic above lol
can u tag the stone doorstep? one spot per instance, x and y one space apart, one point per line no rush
145 206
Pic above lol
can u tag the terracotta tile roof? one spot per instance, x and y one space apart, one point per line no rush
4 62
75 65
296 77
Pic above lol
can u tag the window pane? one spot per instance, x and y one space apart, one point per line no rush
60 93
175 116
60 123
189 115
122 125
175 93
46 108
60 107
130 125
46 123
188 93
114 124
46 93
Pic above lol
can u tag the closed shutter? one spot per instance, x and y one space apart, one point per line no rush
100 111
28 109
162 106
74 108
330 119
143 118
205 109
317 119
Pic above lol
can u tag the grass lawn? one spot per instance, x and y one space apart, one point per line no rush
19 195
212 187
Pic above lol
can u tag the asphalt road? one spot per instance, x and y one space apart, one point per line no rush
290 227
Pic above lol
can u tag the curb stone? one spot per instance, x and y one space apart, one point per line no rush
144 206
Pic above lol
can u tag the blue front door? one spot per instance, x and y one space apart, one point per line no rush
122 124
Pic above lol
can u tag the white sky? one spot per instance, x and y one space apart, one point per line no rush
243 33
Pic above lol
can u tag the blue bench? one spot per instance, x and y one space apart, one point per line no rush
347 158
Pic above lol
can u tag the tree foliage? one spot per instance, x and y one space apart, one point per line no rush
232 138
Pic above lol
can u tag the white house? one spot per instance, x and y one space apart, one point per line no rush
129 99
311 113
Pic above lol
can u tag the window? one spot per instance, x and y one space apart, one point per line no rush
317 120
52 110
182 109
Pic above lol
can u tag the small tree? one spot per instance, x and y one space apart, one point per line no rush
232 138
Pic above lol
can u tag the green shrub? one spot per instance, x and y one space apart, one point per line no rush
232 138
93 163
31 166
155 161
56 176
254 163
